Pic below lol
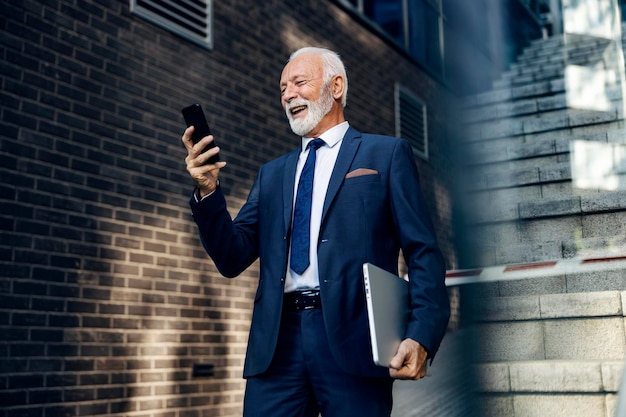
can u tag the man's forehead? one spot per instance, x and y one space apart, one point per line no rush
305 64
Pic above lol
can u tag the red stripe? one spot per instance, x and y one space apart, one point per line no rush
593 260
524 267
464 273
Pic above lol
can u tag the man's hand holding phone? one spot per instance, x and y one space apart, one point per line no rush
203 162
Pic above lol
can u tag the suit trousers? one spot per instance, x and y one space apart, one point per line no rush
304 380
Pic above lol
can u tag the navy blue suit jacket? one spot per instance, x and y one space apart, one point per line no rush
366 218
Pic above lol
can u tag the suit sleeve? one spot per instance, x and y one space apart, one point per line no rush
429 303
232 244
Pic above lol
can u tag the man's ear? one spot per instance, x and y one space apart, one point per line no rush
336 86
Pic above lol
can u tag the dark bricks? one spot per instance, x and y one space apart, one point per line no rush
107 298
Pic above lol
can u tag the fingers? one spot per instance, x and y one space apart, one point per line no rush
202 158
398 360
187 138
204 175
193 150
195 155
409 362
408 372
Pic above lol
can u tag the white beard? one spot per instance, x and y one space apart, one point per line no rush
316 110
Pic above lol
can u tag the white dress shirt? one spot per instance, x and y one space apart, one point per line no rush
324 164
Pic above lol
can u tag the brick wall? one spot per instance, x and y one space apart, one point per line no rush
107 298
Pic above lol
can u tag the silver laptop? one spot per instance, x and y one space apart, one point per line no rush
387 311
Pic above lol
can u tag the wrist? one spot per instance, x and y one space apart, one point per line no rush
206 191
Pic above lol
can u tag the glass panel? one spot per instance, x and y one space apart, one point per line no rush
424 39
354 3
388 15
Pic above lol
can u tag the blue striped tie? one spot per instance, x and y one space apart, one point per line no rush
301 230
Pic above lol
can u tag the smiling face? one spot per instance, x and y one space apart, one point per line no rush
309 103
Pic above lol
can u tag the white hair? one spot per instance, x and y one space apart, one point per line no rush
331 66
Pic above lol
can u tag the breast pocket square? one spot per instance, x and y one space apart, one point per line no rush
360 172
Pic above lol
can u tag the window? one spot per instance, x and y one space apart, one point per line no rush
388 15
414 25
411 121
190 19
425 34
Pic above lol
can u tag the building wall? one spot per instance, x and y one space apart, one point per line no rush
107 298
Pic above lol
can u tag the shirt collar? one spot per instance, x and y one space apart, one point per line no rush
331 137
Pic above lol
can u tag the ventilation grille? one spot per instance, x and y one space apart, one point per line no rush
188 18
411 121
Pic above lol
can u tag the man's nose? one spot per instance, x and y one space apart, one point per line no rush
289 94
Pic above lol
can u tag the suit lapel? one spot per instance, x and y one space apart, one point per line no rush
289 175
349 147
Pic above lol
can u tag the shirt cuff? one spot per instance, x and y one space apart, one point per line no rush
196 193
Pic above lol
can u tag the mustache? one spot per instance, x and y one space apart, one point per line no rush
297 103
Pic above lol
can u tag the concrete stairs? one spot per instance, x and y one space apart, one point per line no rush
548 344
552 354
521 204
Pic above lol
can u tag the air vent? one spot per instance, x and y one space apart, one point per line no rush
190 19
411 121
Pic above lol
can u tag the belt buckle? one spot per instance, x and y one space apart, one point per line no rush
306 301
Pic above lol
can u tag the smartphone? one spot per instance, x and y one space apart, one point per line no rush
194 116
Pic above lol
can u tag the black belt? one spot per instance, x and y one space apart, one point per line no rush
302 300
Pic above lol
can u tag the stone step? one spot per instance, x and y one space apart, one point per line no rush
571 53
598 376
550 404
564 47
554 67
516 163
559 43
548 121
489 252
514 149
534 89
575 205
539 70
558 100
549 388
508 94
560 326
535 146
520 173
560 305
517 108
526 204
527 75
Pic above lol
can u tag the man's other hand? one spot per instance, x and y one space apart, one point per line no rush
409 362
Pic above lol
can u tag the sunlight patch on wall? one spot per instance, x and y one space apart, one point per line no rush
586 87
590 17
597 165
592 83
